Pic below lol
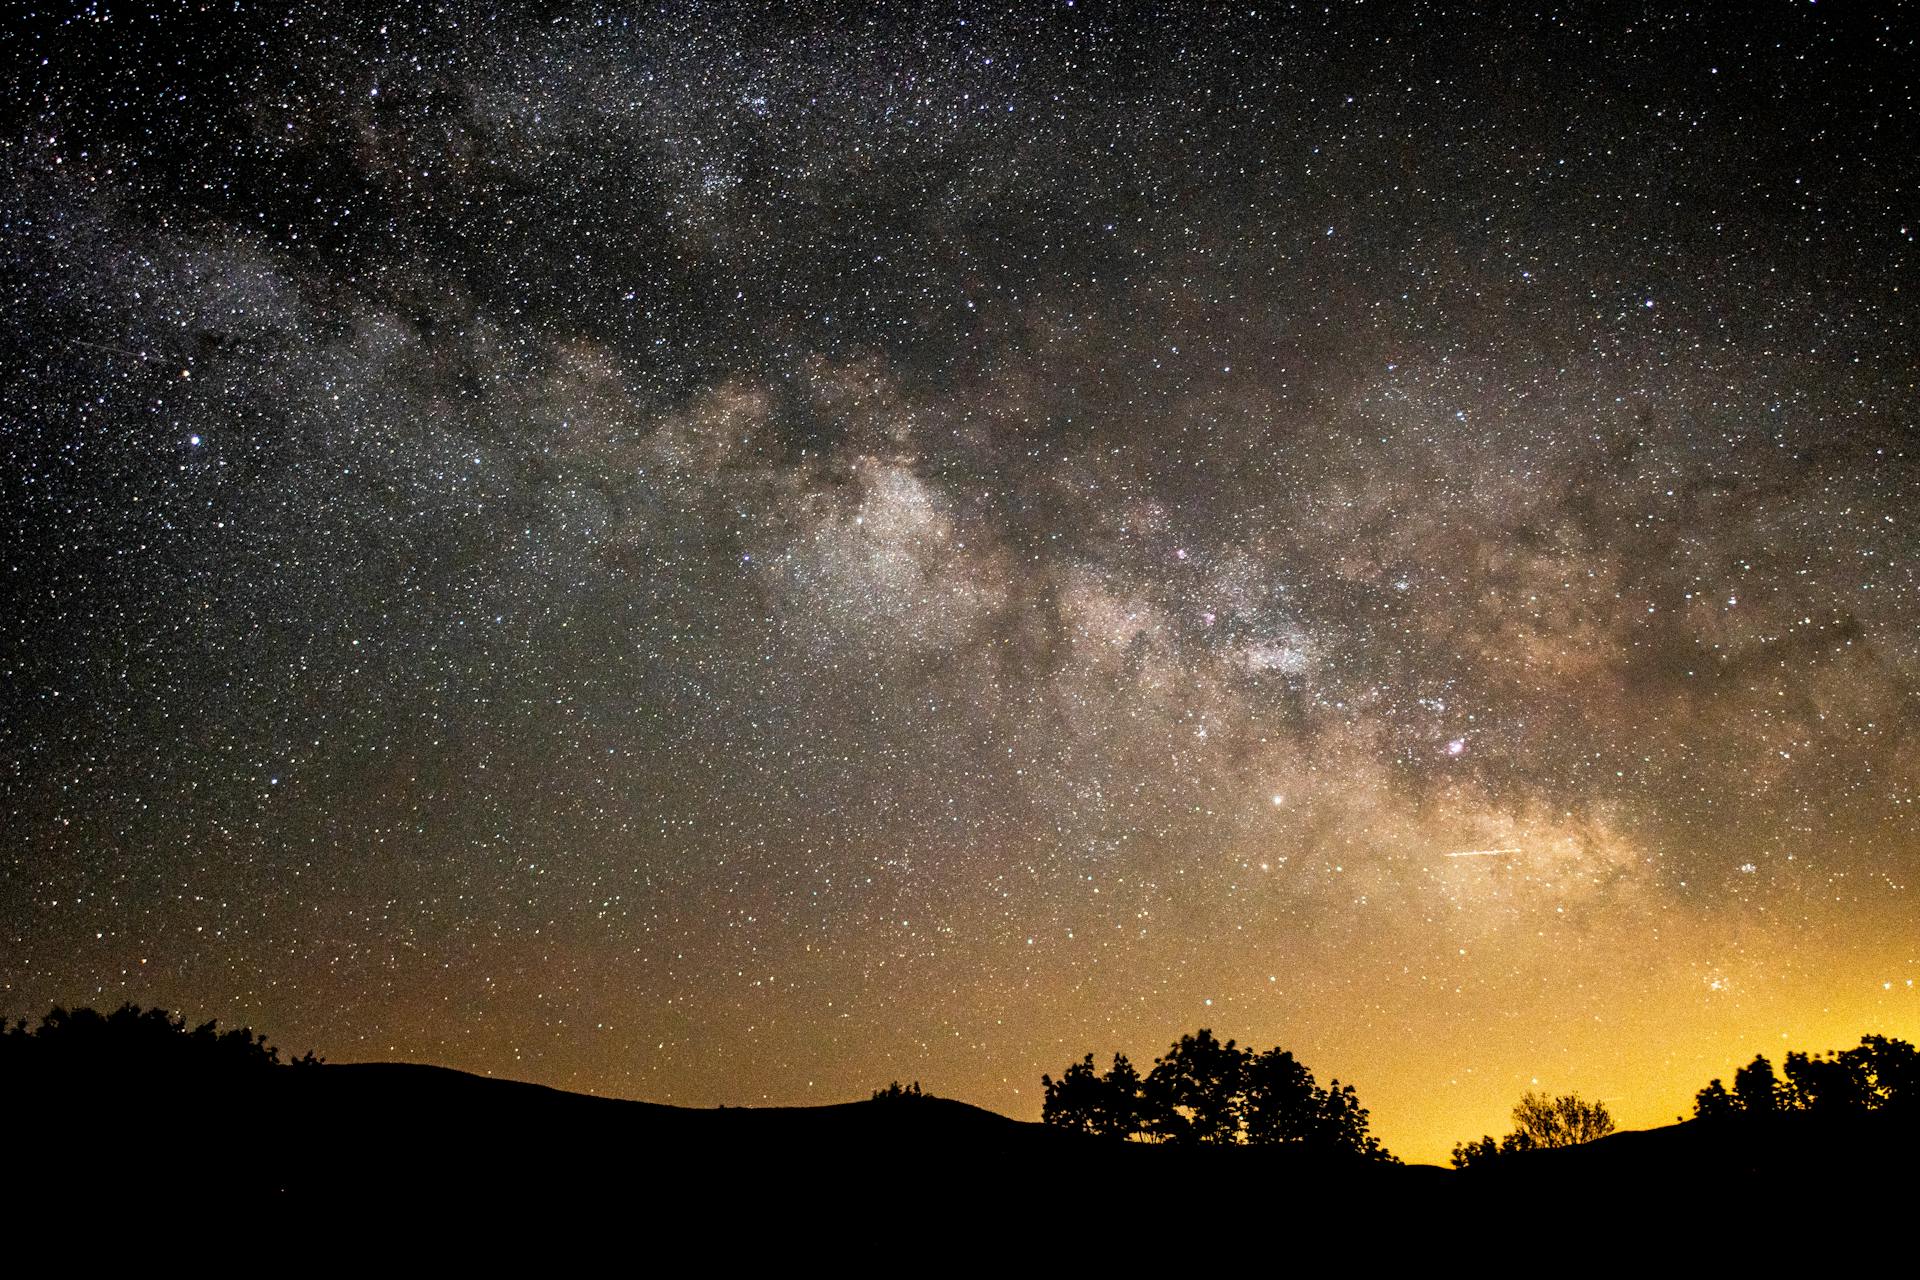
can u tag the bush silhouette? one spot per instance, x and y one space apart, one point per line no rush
1540 1122
1486 1150
1566 1121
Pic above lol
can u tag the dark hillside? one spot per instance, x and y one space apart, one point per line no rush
132 1112
1742 1156
370 1133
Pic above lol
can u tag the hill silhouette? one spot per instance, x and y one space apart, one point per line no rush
384 1133
204 1119
1751 1157
432 1138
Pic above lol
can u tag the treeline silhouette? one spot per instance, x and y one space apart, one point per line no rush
1877 1075
136 1044
1206 1092
1880 1076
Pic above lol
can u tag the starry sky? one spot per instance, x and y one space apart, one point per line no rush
720 556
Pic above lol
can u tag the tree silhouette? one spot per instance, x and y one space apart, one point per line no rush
1193 1094
1756 1087
1283 1103
1107 1106
1830 1082
1714 1102
1894 1066
1540 1121
1343 1123
1121 1112
1074 1101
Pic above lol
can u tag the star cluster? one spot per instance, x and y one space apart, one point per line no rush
727 557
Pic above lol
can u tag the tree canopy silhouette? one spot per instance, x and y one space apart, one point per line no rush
1203 1092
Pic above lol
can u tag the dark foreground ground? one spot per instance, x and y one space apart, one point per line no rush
421 1144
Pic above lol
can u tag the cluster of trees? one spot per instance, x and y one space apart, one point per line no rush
149 1042
894 1093
1204 1091
1878 1074
1538 1122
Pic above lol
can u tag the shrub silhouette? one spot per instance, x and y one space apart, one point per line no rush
1566 1121
1486 1150
1539 1122
894 1093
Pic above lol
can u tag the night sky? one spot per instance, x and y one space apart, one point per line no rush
720 556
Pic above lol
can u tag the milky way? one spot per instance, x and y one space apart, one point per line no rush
727 558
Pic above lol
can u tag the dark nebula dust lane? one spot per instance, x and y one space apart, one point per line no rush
726 557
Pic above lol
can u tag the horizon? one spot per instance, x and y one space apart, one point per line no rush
1788 1087
714 556
1433 1135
